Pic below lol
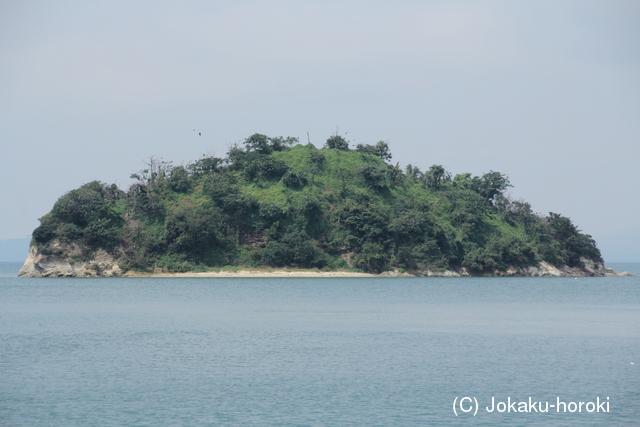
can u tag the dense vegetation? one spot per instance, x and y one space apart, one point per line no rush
273 202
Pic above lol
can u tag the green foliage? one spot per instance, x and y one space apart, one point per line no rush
571 243
359 222
88 214
221 188
47 230
259 167
490 186
337 142
272 202
294 180
375 177
145 202
204 166
280 143
436 176
498 254
372 257
271 212
192 230
413 173
263 144
175 263
79 206
178 181
258 142
381 149
293 249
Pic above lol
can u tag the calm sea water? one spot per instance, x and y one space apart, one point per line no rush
317 352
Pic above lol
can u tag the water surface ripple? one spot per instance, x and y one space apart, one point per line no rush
315 352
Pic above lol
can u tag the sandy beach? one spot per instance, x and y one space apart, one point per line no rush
254 273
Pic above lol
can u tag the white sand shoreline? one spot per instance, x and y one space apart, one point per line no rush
254 273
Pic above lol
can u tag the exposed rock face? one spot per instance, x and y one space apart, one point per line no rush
63 261
543 269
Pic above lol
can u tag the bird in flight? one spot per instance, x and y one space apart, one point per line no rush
199 133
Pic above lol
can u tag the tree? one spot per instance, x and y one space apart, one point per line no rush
490 185
294 180
293 249
204 166
258 142
375 177
372 257
337 142
192 230
436 176
572 243
263 167
358 222
88 213
279 143
413 172
178 180
47 230
381 149
157 169
266 145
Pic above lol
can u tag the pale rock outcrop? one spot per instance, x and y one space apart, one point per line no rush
543 269
394 273
65 261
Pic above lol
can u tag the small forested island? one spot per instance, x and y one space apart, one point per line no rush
275 203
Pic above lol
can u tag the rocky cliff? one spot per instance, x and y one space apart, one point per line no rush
60 260
68 261
543 269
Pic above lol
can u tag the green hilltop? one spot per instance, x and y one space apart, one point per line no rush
273 202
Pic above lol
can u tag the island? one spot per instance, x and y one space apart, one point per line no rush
273 205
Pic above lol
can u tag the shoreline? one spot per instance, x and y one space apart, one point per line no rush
258 274
105 265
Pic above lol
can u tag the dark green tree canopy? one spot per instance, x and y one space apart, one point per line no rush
266 145
381 149
436 176
337 142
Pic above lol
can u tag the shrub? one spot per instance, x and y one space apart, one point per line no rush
294 180
47 230
261 167
375 177
337 142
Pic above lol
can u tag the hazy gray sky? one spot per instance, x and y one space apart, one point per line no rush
547 92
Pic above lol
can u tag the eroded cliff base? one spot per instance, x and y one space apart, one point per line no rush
68 260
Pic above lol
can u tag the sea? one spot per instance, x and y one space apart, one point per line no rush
320 351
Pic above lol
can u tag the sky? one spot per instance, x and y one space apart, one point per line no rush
545 92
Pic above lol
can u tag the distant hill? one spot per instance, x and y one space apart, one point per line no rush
273 202
14 250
